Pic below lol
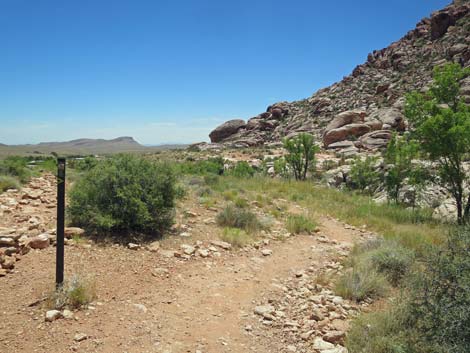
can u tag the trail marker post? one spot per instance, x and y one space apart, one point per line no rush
59 271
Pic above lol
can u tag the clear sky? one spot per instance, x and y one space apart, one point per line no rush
171 70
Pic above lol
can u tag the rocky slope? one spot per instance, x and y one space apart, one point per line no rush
371 97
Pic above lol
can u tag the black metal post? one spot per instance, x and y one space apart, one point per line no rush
59 272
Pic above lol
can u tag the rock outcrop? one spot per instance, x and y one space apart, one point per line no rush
375 88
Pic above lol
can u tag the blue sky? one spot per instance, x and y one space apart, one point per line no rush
170 71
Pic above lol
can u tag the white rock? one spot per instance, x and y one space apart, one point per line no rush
266 252
322 345
53 315
80 337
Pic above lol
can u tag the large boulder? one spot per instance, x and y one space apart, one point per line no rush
375 139
440 22
345 132
225 130
345 118
391 118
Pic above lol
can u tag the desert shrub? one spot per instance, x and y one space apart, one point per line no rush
299 223
241 202
8 182
127 194
361 282
379 332
242 170
80 290
237 237
204 191
364 176
235 217
433 315
84 164
230 195
281 169
440 297
16 167
211 179
393 260
214 166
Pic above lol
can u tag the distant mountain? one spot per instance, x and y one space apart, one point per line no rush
84 146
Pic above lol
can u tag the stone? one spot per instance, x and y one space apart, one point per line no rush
53 315
221 244
317 315
203 253
8 263
188 249
153 246
41 241
266 252
334 337
265 311
79 337
345 118
141 307
133 246
67 314
69 232
226 130
344 132
167 253
391 117
4 241
321 345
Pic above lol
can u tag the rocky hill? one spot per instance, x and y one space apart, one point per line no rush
84 146
360 111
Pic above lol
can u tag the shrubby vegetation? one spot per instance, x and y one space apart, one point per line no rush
300 156
364 176
433 315
299 224
441 123
235 217
126 194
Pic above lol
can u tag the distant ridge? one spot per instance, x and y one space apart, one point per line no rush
84 146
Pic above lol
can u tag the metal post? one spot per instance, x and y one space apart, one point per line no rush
59 273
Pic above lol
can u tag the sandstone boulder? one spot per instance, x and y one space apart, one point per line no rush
39 242
345 118
345 132
227 129
375 139
391 118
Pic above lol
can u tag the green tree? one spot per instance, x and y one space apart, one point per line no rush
300 156
441 122
399 159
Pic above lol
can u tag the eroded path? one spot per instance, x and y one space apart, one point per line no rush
151 303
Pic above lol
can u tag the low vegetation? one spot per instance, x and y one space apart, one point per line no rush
237 237
297 224
236 217
123 195
78 291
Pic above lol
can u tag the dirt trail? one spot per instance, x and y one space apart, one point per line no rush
150 303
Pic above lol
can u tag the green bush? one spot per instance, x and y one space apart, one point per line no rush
379 332
235 217
440 296
214 166
361 282
297 224
242 170
8 182
16 167
300 156
237 237
126 194
434 314
393 260
364 176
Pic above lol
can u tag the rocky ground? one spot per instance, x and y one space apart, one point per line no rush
188 293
